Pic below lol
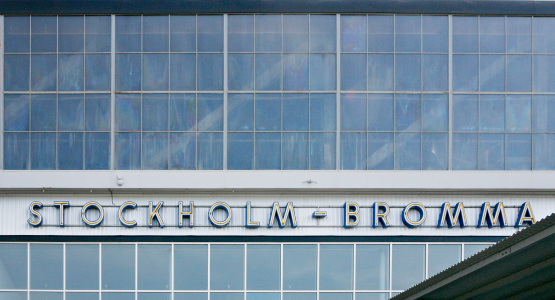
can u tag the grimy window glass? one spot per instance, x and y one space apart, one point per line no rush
284 92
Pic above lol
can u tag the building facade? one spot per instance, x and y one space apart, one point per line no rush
267 150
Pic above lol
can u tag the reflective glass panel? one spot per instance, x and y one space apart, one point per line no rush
471 249
240 151
336 267
299 267
154 267
118 267
13 267
299 296
191 268
16 295
47 266
240 33
372 267
353 33
441 257
17 34
408 265
227 268
263 268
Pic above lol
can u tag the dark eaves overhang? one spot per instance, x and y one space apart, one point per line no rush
519 267
473 7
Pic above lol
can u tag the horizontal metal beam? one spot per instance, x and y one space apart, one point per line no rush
506 7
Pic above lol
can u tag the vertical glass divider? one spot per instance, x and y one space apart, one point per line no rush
2 91
224 135
338 93
450 81
113 94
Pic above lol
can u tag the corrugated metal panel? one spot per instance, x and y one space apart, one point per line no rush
15 212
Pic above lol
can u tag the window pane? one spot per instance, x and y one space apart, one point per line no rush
118 296
156 33
322 151
97 72
227 267
407 33
71 72
46 296
268 33
190 296
470 250
182 151
465 113
128 151
154 296
407 112
240 112
295 72
323 112
210 112
118 267
441 257
128 112
465 151
380 151
97 112
71 37
43 112
16 112
380 72
210 72
268 112
155 112
227 296
155 72
16 34
98 33
434 72
353 151
434 151
492 151
268 72
435 34
380 33
492 73
372 267
492 113
263 296
182 112
16 72
380 112
128 33
241 72
408 266
97 151
544 35
210 37
16 151
465 73
519 113
70 112
13 267
407 72
128 72
544 113
299 296
240 33
16 295
544 79
47 266
155 151
336 296
322 72
295 151
465 34
210 151
295 33
435 113
353 33
353 112
43 34
372 296
295 112
519 35
191 268
519 152
322 33
240 151
263 268
81 296
407 151
268 151
183 33
154 267
43 72
299 267
336 267
70 151
492 34
82 274
353 72
183 72
43 151
519 73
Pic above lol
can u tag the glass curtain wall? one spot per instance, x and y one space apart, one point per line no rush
279 92
40 271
